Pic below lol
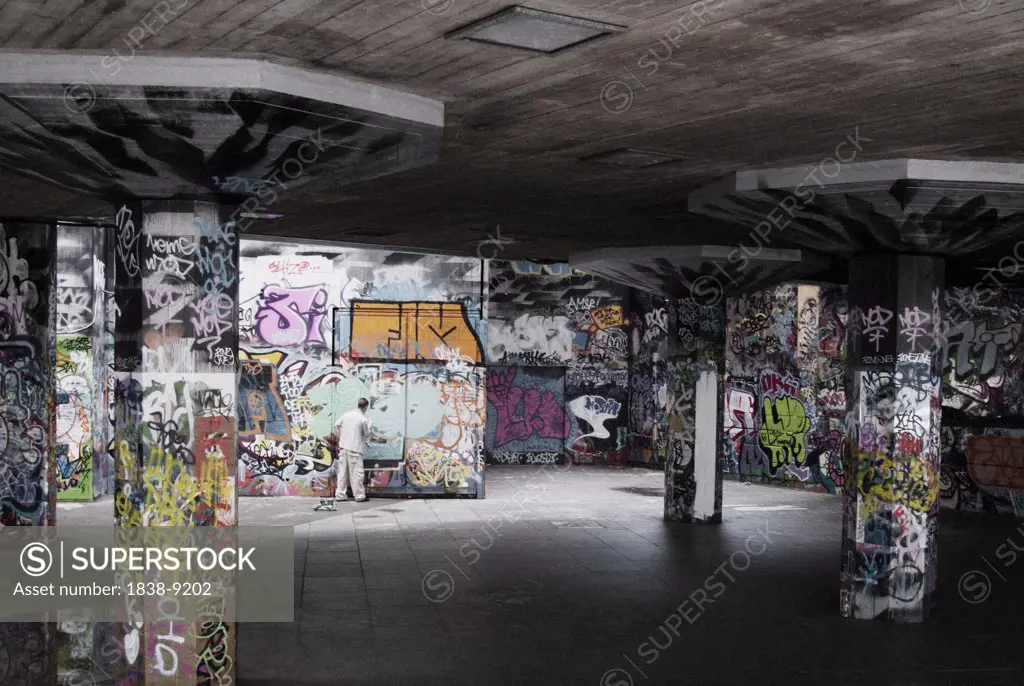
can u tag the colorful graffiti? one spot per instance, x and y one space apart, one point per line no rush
26 377
526 410
173 412
982 398
411 331
28 496
893 483
320 332
565 333
84 470
771 363
784 423
75 406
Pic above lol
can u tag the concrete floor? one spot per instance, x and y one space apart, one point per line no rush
585 575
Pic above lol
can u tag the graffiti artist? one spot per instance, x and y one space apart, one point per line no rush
353 430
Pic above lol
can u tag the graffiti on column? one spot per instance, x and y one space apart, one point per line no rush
893 479
27 477
693 470
832 364
896 463
188 285
693 401
174 435
25 383
648 388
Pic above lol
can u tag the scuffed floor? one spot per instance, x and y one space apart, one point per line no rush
585 584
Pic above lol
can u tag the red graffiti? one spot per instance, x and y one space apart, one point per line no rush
522 413
908 444
288 267
996 461
773 384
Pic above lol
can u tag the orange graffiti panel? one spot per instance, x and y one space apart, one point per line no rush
608 316
412 331
996 461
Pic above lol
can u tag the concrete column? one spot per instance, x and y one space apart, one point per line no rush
28 487
175 353
893 421
693 468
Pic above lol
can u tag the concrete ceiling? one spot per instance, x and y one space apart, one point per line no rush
728 85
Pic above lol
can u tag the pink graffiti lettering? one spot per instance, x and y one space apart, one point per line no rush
290 316
522 413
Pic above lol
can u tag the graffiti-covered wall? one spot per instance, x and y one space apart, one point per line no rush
765 423
786 393
84 468
558 370
321 328
983 402
785 377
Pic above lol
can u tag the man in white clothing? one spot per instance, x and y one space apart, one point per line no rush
353 429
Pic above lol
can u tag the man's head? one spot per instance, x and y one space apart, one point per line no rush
363 404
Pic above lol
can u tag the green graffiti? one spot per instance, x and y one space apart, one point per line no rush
784 426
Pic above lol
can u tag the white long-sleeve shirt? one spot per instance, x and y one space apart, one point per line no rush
354 430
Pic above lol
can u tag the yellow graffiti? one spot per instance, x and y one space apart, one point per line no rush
126 513
217 486
783 432
608 316
274 358
125 461
884 483
429 465
176 498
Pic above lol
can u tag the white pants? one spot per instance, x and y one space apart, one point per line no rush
350 468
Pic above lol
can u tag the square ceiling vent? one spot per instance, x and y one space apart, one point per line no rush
631 157
534 30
